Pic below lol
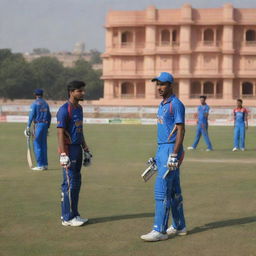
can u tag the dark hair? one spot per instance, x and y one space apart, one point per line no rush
74 85
240 100
203 97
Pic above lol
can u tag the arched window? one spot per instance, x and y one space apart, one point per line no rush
127 90
208 35
165 37
195 90
126 38
208 88
174 36
247 88
250 35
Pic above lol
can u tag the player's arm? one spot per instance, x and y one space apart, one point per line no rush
49 118
179 137
179 119
61 139
84 144
246 119
32 114
31 117
62 119
234 117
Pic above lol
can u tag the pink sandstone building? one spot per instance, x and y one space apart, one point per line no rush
209 51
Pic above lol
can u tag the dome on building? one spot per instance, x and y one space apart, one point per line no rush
79 48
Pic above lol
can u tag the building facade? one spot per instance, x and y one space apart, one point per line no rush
209 51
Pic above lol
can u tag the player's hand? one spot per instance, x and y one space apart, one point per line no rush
27 132
172 162
64 160
87 158
151 160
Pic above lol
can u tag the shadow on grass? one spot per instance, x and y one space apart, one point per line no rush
120 217
221 224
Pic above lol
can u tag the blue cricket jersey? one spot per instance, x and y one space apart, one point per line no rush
39 112
239 115
70 118
169 113
202 112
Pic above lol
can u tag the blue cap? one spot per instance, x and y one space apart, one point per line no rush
164 77
38 91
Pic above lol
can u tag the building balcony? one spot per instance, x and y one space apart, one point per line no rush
208 46
248 47
127 48
209 96
131 96
167 46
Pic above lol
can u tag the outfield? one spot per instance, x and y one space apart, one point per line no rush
218 187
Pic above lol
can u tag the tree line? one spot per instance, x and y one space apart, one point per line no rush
19 78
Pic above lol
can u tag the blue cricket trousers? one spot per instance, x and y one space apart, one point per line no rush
168 192
71 184
40 144
202 129
239 136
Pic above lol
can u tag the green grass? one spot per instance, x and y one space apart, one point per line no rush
218 188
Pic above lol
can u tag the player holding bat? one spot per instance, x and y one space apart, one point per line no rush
171 130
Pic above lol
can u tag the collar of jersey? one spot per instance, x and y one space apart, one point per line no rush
168 100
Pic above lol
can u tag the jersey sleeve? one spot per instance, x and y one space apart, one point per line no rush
49 116
32 113
179 113
207 109
62 117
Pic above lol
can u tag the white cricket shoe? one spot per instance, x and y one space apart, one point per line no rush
75 222
84 220
234 149
190 148
172 231
154 236
38 168
242 149
208 149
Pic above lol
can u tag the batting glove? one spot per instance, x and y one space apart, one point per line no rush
151 160
64 160
172 162
27 132
87 158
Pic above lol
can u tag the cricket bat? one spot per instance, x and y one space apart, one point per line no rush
29 157
149 172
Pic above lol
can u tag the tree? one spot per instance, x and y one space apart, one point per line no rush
47 71
16 77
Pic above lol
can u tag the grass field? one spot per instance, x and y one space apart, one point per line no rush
219 192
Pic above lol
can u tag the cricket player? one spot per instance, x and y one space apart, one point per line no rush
171 130
72 146
40 115
202 125
240 124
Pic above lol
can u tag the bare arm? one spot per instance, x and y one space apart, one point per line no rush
61 138
84 145
179 137
246 120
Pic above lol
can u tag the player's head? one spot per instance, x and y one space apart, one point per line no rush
38 92
203 99
164 84
239 103
76 90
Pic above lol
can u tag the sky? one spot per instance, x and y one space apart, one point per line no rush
59 24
